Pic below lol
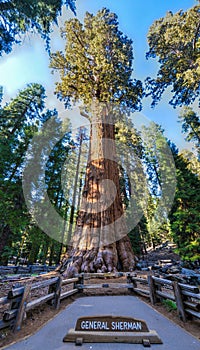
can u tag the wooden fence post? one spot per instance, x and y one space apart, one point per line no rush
56 289
22 308
134 283
80 283
15 297
179 301
56 301
152 289
129 281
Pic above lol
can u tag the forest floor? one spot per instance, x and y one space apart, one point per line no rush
40 316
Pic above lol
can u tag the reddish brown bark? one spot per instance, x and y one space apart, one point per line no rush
100 242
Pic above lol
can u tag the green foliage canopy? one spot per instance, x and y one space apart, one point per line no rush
17 17
97 63
184 216
20 119
191 126
175 41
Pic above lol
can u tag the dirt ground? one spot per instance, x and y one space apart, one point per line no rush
40 316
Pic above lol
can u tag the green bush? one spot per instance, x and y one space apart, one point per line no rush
169 304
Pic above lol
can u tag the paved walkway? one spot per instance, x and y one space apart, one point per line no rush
51 335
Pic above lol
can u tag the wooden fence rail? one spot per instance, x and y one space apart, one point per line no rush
186 297
19 269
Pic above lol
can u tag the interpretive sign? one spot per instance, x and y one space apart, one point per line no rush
111 329
110 324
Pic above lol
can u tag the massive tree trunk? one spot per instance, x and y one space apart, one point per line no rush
100 242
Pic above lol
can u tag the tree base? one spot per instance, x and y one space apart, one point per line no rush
114 257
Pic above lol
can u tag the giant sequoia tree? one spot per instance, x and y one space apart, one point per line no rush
96 69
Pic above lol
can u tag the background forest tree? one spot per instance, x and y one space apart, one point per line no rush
175 41
19 236
184 216
17 17
19 121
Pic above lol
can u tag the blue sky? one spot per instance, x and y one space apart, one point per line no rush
29 62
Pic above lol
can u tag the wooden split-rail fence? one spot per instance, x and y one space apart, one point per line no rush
26 270
18 303
186 297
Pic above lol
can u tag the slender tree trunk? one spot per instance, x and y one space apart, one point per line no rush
71 218
4 241
80 190
52 251
35 247
45 250
19 254
100 242
63 231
